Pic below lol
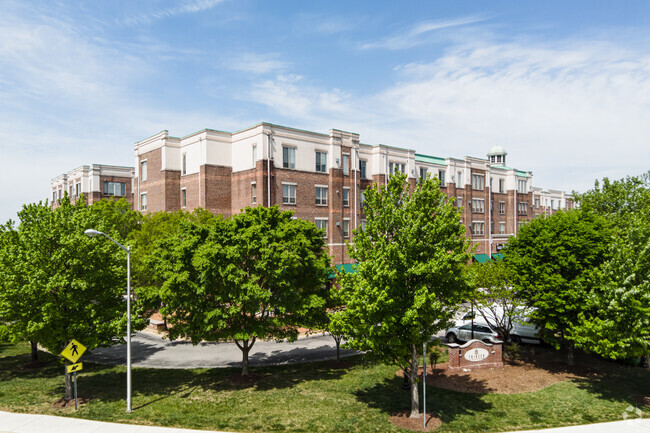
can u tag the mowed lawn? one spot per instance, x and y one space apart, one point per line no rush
313 397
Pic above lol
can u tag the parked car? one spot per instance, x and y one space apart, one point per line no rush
481 332
523 330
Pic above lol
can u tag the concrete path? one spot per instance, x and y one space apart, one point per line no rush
152 351
627 426
28 423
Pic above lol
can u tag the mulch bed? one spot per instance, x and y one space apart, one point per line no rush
402 420
63 403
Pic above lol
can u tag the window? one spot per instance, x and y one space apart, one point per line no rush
502 228
423 174
363 199
143 170
53 196
78 189
183 197
346 228
537 203
459 202
288 194
522 208
478 181
321 196
478 228
502 208
478 205
362 168
253 193
459 181
184 166
115 188
143 201
254 154
321 224
521 186
441 176
501 185
70 190
346 197
520 223
363 224
552 204
346 164
321 162
394 167
288 157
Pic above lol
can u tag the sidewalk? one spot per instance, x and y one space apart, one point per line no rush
628 426
28 423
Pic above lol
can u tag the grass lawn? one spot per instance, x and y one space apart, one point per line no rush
304 397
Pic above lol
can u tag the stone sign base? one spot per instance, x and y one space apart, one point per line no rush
475 354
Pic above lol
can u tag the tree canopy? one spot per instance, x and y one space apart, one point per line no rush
57 284
552 260
259 274
409 276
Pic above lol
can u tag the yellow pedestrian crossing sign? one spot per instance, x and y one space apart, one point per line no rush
75 367
73 351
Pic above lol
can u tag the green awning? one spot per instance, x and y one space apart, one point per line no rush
348 268
497 256
481 258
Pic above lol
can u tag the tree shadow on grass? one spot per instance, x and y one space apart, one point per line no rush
389 397
107 383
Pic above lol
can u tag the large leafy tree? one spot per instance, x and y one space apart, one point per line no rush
618 323
57 284
553 262
409 276
258 275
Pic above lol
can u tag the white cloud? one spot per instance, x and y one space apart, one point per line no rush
257 63
570 111
417 34
180 8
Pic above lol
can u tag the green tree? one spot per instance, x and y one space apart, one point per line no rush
553 260
409 276
153 228
258 275
617 325
495 300
59 284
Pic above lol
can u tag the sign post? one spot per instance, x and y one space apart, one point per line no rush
424 384
72 353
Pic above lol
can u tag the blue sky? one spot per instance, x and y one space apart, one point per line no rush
563 86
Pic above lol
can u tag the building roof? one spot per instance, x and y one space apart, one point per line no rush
430 159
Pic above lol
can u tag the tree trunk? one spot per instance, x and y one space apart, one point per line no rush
34 351
415 398
570 355
245 347
337 339
68 383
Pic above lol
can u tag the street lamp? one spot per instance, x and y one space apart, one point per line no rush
91 233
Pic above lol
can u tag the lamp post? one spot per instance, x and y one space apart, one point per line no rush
91 233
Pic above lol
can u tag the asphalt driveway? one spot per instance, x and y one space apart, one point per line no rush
152 351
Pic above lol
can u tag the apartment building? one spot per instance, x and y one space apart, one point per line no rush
321 177
95 182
